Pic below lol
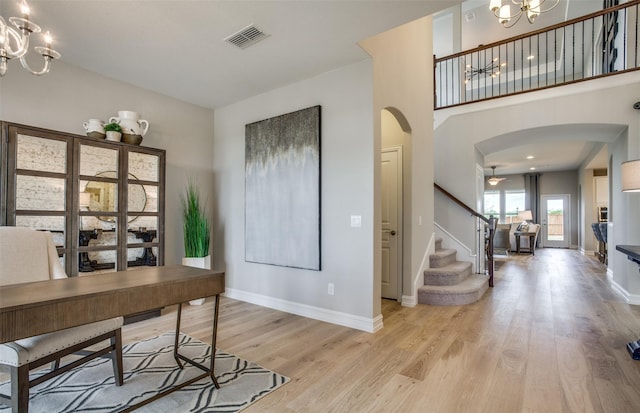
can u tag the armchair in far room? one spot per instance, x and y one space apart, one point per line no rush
27 255
501 244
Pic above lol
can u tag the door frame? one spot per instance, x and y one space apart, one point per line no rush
400 221
566 221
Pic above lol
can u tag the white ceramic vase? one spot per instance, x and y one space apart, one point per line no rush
198 262
94 128
130 122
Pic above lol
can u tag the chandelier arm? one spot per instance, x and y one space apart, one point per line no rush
22 41
539 8
45 69
509 17
508 26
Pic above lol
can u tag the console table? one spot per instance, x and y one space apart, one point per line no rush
532 240
36 308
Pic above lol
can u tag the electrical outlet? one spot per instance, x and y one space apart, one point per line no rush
330 289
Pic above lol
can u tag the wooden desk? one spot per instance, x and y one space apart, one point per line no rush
532 240
35 308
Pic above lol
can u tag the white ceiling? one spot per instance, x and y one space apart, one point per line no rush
176 47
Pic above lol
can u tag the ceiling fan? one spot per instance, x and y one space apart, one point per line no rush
494 180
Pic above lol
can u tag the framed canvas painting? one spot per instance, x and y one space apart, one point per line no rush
282 190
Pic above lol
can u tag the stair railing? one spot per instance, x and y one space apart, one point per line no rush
490 222
603 43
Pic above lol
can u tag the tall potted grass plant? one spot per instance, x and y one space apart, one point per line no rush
197 233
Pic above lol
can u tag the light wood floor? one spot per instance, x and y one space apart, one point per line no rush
550 337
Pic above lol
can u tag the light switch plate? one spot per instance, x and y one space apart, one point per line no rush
356 221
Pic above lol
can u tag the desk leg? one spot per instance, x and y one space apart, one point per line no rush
176 356
517 244
213 342
208 371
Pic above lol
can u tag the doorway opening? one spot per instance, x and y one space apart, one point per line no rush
395 193
555 216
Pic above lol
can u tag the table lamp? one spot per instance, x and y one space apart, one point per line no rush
631 176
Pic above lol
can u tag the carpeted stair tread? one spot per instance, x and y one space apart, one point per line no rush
442 257
468 291
450 274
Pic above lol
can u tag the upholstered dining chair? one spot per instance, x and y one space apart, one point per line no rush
26 256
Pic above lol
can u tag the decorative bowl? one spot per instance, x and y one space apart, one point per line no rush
96 135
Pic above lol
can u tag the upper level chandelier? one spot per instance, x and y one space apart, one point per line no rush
529 8
14 42
491 69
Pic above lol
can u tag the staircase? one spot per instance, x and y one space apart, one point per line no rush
450 282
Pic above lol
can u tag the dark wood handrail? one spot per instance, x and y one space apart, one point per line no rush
492 222
543 30
460 203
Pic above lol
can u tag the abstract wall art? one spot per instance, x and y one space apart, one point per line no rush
282 190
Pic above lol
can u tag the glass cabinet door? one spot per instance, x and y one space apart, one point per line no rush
37 196
98 207
144 220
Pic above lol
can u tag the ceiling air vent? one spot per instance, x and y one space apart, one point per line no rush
246 37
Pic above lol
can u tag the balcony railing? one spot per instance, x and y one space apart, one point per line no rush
600 44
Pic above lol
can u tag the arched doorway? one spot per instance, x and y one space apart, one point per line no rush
395 183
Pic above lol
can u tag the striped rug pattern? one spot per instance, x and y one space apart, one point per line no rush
149 368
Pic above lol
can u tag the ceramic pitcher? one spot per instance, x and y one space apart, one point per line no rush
130 122
94 125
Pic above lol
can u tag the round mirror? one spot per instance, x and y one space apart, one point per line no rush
103 196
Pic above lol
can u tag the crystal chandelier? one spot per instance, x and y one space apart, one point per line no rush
529 8
14 42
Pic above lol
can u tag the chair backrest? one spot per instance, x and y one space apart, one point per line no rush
603 231
27 255
596 231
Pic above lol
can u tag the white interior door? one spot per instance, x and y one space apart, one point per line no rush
555 214
391 194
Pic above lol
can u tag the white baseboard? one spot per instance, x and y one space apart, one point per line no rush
633 299
418 279
409 301
370 325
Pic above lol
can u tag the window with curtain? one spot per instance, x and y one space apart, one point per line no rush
514 203
491 204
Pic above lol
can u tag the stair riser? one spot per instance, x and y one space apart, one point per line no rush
425 297
441 261
446 279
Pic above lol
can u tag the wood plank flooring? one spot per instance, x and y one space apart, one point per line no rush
550 337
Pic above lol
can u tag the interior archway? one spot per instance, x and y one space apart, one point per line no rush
396 133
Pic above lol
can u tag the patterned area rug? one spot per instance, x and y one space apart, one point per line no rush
149 368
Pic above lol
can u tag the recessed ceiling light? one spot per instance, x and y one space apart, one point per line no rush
530 157
531 57
533 168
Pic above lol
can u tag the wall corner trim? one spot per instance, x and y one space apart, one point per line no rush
369 325
633 299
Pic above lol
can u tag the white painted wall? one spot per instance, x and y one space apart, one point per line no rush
347 163
67 96
403 81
